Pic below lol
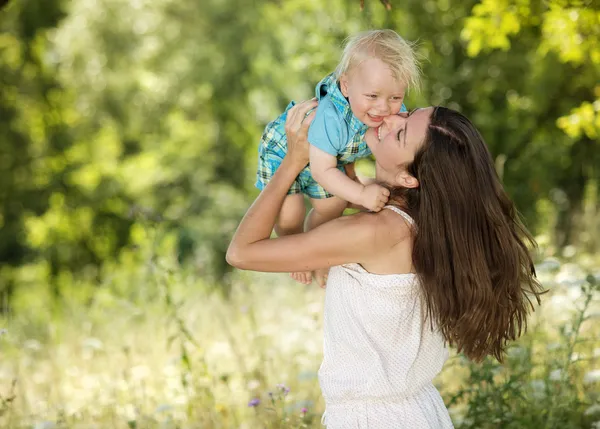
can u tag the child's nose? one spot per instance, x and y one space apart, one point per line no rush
384 107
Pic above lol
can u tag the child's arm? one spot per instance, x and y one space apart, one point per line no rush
363 180
323 167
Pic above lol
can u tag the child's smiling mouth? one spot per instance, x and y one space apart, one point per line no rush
375 118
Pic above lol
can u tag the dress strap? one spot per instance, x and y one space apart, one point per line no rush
401 213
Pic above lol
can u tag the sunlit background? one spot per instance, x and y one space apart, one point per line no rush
128 149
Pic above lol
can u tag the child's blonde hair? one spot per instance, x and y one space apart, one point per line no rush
387 46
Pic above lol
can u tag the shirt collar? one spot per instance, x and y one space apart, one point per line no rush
329 86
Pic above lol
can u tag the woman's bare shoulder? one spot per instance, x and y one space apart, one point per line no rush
391 228
386 228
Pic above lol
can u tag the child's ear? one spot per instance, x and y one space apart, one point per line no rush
344 84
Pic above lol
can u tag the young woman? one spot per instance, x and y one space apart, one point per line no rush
445 264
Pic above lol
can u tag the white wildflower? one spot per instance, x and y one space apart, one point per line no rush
555 375
90 382
127 412
553 346
171 370
181 400
539 388
517 352
549 264
92 343
163 408
33 345
593 410
315 307
140 372
592 377
45 425
569 251
253 384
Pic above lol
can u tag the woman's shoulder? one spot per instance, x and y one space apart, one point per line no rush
393 226
386 226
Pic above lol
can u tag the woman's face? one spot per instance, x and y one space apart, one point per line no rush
396 141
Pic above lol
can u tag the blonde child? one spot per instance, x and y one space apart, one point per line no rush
376 69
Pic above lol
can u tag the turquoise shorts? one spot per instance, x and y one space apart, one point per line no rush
272 149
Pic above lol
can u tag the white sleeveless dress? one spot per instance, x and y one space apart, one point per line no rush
380 355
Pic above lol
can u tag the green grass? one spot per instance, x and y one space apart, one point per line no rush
157 348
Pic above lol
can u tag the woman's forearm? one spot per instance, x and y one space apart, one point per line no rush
260 218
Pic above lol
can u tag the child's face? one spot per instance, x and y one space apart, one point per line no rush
372 91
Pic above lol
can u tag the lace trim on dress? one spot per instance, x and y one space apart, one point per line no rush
401 213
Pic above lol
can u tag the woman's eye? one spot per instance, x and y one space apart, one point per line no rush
399 134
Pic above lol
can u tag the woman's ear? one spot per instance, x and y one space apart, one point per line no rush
405 180
344 84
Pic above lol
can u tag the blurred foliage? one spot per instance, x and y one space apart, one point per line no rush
118 114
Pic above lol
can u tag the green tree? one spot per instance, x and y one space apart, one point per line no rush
566 57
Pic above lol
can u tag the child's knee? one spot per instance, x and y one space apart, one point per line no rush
291 216
329 207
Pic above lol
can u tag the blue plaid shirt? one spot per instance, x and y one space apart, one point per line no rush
335 129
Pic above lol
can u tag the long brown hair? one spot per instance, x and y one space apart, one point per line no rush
470 247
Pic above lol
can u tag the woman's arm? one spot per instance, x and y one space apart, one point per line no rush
344 240
340 241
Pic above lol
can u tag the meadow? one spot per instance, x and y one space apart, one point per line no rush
178 353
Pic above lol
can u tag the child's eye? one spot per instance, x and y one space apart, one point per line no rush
371 96
397 98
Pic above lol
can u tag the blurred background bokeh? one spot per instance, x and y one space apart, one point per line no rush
128 149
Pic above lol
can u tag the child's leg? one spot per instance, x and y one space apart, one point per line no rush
323 211
291 217
291 221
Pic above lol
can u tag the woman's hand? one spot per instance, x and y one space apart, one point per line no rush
296 129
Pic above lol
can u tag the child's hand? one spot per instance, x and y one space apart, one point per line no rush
374 197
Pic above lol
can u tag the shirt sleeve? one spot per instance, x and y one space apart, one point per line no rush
328 130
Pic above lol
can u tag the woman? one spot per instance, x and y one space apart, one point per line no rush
445 264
